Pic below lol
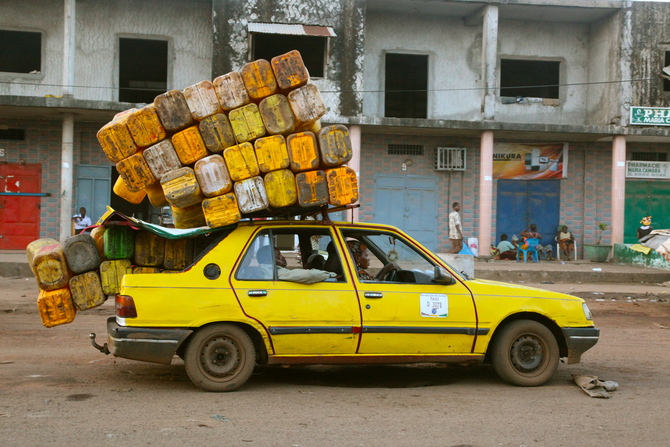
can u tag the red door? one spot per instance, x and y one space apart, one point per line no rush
19 213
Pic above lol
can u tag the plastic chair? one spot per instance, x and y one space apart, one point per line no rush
558 249
532 249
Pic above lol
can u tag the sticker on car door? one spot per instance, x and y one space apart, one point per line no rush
434 305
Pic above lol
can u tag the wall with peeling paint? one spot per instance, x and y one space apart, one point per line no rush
343 79
454 62
651 39
186 26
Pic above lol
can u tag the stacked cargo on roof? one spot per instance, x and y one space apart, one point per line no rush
246 144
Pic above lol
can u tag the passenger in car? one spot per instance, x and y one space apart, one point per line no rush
311 276
361 257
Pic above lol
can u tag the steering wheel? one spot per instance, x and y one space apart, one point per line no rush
391 275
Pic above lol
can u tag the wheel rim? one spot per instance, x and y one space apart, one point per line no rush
220 358
527 354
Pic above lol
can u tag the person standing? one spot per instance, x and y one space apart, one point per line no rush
81 220
455 232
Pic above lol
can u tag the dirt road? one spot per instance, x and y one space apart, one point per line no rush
55 389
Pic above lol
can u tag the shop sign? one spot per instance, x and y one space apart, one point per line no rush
529 161
650 116
648 169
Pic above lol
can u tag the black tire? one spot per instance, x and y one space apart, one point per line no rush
525 353
220 357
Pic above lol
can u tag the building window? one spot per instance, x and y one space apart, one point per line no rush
529 78
143 68
272 39
649 156
20 52
12 134
406 87
666 82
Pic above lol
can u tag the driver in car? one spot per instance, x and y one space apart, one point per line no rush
361 257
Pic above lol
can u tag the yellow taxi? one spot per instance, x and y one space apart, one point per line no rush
272 292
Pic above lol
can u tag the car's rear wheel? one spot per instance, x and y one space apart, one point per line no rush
220 357
525 353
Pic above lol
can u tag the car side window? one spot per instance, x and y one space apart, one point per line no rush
257 263
382 256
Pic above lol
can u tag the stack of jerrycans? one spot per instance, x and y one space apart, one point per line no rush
248 143
67 275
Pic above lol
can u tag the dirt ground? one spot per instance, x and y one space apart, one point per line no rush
55 389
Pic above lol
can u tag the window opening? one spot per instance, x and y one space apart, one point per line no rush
12 134
649 156
529 78
406 81
312 49
405 149
20 51
143 68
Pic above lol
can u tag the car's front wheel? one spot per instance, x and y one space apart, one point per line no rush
220 357
525 353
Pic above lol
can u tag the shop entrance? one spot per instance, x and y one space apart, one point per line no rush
646 198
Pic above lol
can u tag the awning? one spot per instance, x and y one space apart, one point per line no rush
296 30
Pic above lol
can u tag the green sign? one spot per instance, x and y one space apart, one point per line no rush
650 116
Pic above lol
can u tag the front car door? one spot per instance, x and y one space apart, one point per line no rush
410 314
322 318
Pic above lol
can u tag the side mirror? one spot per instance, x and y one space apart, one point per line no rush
441 276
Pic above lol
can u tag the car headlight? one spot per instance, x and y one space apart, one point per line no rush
587 312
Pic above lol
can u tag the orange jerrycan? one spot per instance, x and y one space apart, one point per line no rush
290 71
221 210
334 145
188 217
303 152
241 161
342 186
259 79
189 145
116 140
56 307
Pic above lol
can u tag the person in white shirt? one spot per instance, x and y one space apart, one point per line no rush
455 233
81 220
305 276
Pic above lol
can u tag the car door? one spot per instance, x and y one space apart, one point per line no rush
411 314
302 319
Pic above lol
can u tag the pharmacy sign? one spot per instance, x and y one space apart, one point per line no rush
650 116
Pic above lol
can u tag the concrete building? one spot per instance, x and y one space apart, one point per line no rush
524 111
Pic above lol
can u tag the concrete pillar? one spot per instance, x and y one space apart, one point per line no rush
618 188
67 142
66 173
68 47
489 61
355 162
485 192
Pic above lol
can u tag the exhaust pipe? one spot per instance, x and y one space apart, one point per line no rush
102 349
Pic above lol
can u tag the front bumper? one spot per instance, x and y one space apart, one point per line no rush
580 340
155 345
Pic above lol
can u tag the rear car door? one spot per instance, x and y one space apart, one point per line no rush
322 318
410 314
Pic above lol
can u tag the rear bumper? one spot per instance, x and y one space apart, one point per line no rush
580 340
156 345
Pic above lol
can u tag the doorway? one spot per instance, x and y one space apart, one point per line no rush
646 198
20 189
523 202
409 203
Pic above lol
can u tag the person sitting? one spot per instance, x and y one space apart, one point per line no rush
305 276
645 228
362 260
332 264
506 250
566 242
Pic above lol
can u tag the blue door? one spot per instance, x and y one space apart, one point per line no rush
93 190
409 203
523 202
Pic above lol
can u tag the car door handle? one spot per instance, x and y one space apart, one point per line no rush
257 293
373 294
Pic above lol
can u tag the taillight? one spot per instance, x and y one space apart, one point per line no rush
125 306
